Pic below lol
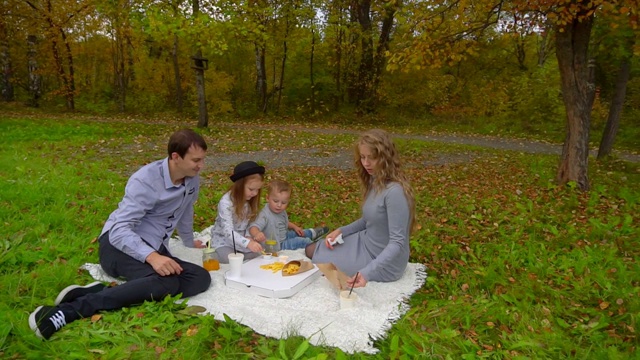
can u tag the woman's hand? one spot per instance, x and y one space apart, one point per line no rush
360 281
332 235
254 246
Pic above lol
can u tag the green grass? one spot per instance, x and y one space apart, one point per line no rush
518 268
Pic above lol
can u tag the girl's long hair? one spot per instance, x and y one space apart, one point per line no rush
388 168
237 198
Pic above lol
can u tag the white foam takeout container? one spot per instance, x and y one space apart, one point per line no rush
267 283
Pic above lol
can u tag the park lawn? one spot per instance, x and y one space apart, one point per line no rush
517 267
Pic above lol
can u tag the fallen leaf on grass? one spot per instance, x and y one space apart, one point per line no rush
95 318
192 310
603 305
193 329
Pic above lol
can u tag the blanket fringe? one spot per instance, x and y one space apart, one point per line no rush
403 307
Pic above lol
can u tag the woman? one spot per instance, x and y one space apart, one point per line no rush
376 246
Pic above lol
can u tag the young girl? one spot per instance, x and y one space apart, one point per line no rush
236 209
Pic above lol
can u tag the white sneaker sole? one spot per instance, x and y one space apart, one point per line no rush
32 322
66 290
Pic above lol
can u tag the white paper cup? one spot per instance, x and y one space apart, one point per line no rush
235 262
283 258
348 301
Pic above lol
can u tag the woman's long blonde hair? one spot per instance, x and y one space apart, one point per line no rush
388 168
237 198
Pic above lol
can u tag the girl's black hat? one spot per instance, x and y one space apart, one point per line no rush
246 168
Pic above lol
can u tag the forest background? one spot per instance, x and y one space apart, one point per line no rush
518 267
455 62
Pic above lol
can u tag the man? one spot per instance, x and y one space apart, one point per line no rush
158 199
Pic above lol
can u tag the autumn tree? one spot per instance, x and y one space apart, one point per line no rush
376 24
117 23
615 40
445 31
56 19
6 65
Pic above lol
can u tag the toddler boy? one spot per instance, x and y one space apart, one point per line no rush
273 221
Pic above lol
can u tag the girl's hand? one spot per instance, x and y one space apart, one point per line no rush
254 246
359 282
332 235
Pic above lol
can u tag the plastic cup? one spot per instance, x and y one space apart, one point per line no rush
235 263
348 301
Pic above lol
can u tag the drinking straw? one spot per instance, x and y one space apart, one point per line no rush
354 283
233 237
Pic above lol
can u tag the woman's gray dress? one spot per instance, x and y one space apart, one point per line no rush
377 244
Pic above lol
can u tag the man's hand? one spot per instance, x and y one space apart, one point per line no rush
197 243
163 265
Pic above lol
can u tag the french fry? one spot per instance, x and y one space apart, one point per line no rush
291 269
274 267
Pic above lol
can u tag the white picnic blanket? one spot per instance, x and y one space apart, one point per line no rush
314 312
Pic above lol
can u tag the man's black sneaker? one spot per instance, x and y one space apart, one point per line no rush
46 320
319 232
73 292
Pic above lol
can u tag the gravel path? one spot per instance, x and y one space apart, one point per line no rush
343 158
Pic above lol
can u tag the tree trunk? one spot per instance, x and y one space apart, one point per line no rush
338 13
67 87
383 46
282 70
176 74
199 67
35 79
544 44
71 83
372 60
364 96
311 79
613 121
261 78
118 66
203 119
337 74
285 50
6 86
572 45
